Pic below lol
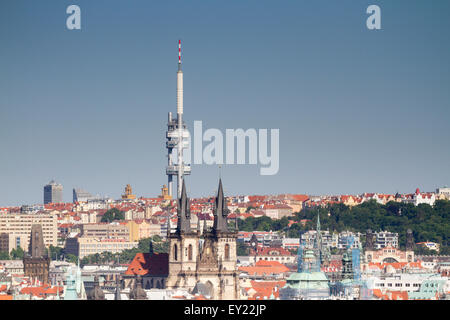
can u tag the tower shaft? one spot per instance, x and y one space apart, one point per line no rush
180 121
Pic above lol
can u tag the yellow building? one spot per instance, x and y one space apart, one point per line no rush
141 229
128 193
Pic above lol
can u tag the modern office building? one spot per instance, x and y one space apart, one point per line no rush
80 195
113 230
84 246
386 239
53 193
4 242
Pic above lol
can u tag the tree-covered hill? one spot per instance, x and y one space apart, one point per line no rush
428 223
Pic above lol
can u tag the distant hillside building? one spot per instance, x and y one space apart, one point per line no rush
53 193
420 197
386 239
389 254
445 191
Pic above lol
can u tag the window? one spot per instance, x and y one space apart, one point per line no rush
175 252
227 251
190 252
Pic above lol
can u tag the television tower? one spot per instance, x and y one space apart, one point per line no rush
177 137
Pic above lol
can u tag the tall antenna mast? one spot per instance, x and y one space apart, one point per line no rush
176 136
180 121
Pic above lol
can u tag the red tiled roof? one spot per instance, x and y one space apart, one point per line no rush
263 267
300 197
267 284
396 265
390 295
264 289
271 252
144 264
41 291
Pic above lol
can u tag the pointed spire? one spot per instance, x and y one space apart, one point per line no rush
220 211
220 191
183 191
183 212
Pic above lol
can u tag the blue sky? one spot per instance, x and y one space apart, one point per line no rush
358 110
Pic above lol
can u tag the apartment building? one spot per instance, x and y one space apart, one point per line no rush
84 246
114 230
18 227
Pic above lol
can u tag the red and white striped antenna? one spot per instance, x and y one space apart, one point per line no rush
179 51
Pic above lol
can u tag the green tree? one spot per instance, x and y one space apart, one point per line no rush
71 258
156 238
17 254
242 249
4 255
55 252
249 208
113 215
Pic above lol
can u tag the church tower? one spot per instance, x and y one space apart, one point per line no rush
183 247
220 244
207 267
36 262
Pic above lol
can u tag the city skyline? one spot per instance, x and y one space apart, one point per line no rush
358 110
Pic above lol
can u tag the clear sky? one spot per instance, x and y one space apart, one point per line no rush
358 110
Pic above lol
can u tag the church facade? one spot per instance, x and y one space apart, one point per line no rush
204 261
